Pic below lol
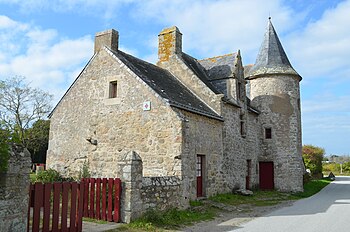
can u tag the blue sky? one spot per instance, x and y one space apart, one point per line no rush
49 42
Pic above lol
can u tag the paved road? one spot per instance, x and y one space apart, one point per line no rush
327 211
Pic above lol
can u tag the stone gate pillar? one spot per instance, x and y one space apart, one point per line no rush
14 191
130 167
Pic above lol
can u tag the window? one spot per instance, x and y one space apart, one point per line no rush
268 133
113 89
242 125
239 91
242 128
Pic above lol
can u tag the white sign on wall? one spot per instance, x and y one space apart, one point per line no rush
147 106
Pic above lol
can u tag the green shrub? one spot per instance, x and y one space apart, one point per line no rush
49 176
84 171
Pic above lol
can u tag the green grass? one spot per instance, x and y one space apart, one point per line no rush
201 211
266 198
312 187
172 218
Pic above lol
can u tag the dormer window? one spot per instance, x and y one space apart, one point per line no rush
113 89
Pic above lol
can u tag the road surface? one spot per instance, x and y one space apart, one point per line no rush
327 211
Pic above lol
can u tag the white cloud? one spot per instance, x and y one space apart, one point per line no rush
42 56
216 27
321 48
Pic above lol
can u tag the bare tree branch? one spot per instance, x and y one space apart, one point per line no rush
21 105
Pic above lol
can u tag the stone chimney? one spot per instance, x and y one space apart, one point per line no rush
107 38
170 43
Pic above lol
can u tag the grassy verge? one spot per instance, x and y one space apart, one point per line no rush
201 211
173 218
312 187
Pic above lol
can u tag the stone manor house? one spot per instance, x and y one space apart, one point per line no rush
197 127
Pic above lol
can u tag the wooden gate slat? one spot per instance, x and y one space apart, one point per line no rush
92 198
110 197
104 199
56 205
117 189
73 208
65 190
98 199
38 202
86 197
47 197
81 194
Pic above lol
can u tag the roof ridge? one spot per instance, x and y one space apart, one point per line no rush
219 56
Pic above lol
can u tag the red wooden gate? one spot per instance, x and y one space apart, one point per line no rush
102 198
266 175
66 211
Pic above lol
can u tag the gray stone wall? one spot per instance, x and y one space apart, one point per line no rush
278 99
161 192
117 124
14 191
202 136
234 155
140 194
253 147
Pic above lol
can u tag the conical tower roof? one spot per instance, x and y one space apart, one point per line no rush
271 58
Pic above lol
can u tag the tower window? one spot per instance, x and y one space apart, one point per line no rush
113 89
268 133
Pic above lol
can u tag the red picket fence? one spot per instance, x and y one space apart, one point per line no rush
55 207
102 198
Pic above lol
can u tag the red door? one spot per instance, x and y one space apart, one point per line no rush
200 161
266 178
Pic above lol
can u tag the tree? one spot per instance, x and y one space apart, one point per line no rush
21 106
4 148
313 157
37 139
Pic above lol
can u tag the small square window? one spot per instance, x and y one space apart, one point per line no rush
113 89
268 133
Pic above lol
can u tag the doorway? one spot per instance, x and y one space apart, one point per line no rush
200 171
266 175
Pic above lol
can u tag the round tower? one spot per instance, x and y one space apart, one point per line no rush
275 91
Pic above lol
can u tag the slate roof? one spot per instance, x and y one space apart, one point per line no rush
219 67
271 58
199 70
166 85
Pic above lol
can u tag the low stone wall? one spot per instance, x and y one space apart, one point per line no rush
140 194
160 192
14 191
